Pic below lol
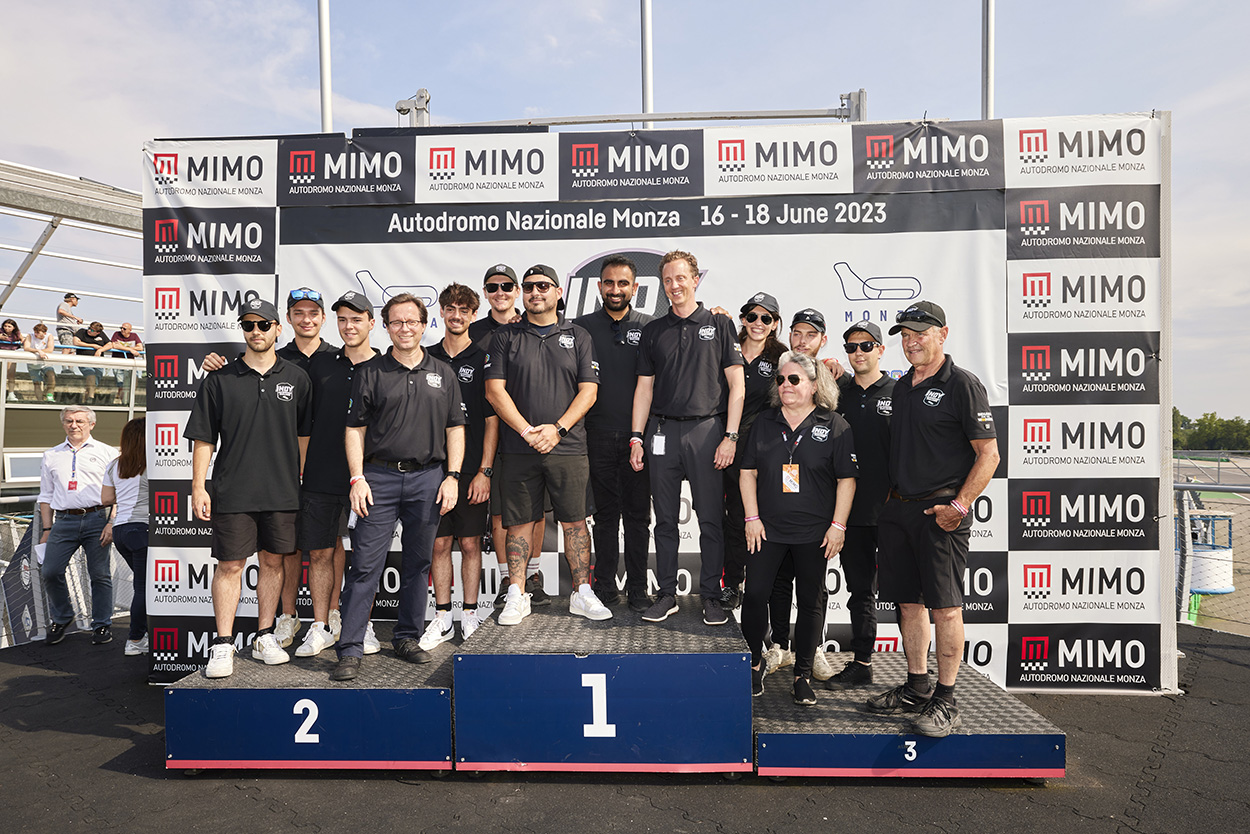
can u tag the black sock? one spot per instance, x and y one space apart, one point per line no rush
919 682
445 606
222 639
469 606
945 693
265 631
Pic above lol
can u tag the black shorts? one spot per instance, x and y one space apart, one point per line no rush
524 479
322 520
236 536
917 561
496 495
466 520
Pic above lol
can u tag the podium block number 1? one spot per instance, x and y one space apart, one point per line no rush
599 726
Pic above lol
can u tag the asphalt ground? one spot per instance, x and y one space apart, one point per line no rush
82 748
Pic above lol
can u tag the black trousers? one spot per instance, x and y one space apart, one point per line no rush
810 567
689 453
859 566
620 494
735 529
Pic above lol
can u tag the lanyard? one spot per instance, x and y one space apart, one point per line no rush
798 438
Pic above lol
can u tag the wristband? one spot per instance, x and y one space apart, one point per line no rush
959 508
634 440
635 435
353 481
839 525
752 518
528 429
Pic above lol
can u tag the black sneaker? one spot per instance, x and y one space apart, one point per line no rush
757 681
664 606
534 587
731 597
639 602
346 669
56 633
901 698
938 719
608 596
409 649
852 676
103 634
803 694
714 613
501 599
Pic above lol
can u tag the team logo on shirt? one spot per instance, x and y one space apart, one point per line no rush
766 368
566 341
885 407
820 433
707 333
594 365
933 396
465 373
633 337
285 391
434 380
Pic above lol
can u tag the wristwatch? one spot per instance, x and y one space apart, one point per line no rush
488 471
562 430
731 435
452 473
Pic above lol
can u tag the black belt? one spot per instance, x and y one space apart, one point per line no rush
663 417
83 511
944 492
402 465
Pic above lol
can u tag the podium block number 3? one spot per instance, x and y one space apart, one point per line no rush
598 726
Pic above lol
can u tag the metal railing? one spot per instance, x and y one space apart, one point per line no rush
1212 536
1211 466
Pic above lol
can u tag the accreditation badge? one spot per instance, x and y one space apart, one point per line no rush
789 477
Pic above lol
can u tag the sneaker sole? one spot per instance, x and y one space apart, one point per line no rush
606 615
367 649
218 675
955 725
300 652
805 703
706 621
135 652
670 612
261 657
511 621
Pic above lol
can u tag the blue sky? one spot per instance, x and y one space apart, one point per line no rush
83 84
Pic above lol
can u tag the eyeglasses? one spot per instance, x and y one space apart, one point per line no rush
404 325
536 286
249 325
793 379
916 315
750 318
866 347
506 286
305 295
76 422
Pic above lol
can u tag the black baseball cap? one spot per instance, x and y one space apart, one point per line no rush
500 269
762 299
809 316
304 294
920 316
353 301
70 295
542 269
259 307
864 326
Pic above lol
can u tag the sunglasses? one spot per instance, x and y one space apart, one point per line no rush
916 315
536 286
793 379
249 325
506 286
866 347
764 317
305 295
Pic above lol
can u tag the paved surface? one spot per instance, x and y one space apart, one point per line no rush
82 744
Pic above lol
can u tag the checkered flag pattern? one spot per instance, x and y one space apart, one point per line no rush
165 587
164 179
1037 521
732 166
1035 230
166 451
1033 157
586 172
1036 448
302 179
1037 593
442 175
303 591
1033 665
166 656
165 383
165 315
165 248
879 163
1035 376
1037 302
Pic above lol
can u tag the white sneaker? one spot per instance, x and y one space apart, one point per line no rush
515 608
439 631
266 648
137 647
586 604
285 629
777 658
821 670
470 621
315 640
336 624
220 661
371 644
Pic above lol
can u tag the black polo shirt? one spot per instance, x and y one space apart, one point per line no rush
541 374
331 373
688 358
469 367
761 379
259 420
406 412
616 350
291 353
823 448
931 428
868 410
482 330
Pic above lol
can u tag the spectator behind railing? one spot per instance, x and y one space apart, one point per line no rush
11 337
126 345
91 341
42 377
65 321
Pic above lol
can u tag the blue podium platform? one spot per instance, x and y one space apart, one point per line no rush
1000 736
395 715
562 693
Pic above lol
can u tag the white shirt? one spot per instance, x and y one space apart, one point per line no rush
132 495
84 467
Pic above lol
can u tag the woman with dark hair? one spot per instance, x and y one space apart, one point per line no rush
760 320
11 337
126 486
798 481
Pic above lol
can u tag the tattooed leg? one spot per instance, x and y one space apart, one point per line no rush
519 538
577 551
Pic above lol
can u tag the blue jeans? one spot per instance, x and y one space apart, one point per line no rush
69 532
132 543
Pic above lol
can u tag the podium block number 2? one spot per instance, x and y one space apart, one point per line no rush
309 707
598 726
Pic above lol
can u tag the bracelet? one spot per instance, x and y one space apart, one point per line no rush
635 435
752 518
356 478
634 440
839 525
528 429
959 508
